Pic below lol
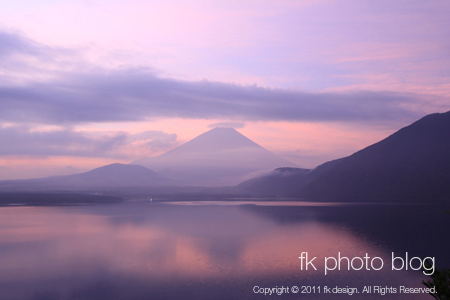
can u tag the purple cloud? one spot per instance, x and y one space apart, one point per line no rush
134 95
100 95
235 125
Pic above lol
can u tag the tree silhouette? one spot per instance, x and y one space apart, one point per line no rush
441 281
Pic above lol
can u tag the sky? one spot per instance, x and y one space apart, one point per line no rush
84 83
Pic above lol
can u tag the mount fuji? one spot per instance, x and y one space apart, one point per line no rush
220 156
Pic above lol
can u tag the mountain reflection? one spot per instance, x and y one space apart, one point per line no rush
139 250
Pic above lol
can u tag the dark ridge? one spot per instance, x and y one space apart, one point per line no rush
411 165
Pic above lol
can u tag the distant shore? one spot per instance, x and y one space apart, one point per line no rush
54 199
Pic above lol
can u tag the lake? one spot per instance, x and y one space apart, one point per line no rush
215 250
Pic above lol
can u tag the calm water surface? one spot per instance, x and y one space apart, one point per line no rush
205 250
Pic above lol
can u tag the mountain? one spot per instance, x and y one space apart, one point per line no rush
283 182
411 165
221 156
279 182
113 175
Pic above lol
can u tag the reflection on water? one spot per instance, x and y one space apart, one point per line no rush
165 251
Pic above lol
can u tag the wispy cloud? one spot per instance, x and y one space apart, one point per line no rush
154 139
23 140
12 44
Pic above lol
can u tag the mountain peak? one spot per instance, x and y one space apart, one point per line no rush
218 153
218 138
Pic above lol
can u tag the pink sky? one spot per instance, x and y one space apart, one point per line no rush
283 53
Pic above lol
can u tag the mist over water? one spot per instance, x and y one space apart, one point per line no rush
165 251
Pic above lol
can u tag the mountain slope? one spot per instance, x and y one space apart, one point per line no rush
113 175
412 164
221 156
283 181
279 182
